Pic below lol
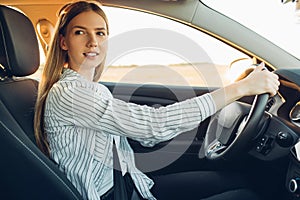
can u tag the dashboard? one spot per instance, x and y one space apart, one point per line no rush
286 110
295 114
282 124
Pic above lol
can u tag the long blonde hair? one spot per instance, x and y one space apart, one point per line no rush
56 59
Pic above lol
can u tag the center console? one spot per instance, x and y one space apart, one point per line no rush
293 175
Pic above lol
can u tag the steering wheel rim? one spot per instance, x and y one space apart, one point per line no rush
216 150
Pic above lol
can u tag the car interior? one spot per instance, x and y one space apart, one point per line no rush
26 173
21 159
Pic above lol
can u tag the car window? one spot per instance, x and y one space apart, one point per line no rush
149 49
145 48
277 21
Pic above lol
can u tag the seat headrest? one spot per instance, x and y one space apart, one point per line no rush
19 50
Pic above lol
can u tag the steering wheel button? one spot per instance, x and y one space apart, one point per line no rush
258 148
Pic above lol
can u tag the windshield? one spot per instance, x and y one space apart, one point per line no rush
274 20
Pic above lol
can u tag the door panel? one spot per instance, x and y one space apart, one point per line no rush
178 154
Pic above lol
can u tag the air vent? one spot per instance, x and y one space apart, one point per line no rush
270 103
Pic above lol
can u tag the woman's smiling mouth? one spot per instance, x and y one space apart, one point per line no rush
90 54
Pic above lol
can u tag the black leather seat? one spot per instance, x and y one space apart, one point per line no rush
25 172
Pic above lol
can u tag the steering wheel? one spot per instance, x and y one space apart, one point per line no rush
231 129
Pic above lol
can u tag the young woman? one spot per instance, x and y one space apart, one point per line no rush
77 120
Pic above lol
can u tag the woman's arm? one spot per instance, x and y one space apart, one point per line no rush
83 106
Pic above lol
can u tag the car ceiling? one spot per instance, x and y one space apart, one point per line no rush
168 8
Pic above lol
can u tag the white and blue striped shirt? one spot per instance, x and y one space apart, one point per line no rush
82 119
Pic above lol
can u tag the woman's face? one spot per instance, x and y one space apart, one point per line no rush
85 41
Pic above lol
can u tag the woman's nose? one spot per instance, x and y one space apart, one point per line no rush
92 41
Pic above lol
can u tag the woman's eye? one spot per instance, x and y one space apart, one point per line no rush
79 32
101 33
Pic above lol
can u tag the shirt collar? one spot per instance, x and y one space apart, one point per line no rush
69 74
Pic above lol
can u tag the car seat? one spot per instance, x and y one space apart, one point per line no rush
25 172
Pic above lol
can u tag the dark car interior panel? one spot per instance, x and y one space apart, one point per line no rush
21 160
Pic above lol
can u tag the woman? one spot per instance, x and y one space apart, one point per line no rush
77 120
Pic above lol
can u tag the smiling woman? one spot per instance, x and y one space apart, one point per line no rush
86 43
78 122
159 130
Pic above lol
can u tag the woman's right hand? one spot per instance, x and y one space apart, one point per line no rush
259 81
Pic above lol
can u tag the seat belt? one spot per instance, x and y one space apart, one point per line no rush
120 186
124 188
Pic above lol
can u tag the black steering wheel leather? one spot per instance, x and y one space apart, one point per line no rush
231 130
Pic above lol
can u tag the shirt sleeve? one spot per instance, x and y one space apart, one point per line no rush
88 108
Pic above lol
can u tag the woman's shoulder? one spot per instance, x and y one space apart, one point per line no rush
71 82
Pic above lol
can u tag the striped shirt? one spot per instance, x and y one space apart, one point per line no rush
82 119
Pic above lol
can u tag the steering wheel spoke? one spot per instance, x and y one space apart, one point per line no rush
214 149
232 128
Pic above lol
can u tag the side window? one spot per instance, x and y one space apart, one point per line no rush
145 48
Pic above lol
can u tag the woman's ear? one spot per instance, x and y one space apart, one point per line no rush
62 43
